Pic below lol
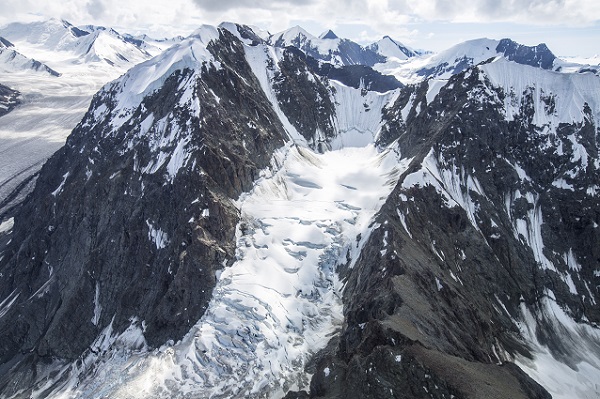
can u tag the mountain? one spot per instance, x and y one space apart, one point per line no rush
151 45
389 48
71 64
329 47
464 55
85 44
13 61
236 217
480 251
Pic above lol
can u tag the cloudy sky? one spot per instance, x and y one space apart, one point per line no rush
569 27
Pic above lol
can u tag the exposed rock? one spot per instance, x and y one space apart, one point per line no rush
9 99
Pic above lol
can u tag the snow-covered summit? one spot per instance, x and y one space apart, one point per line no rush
13 61
295 36
390 48
328 47
144 78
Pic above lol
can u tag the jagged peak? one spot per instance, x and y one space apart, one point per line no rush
146 77
5 43
389 47
287 36
205 33
249 34
539 55
329 34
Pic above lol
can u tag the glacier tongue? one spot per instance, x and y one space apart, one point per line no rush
280 301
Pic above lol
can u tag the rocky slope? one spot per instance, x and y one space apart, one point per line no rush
487 250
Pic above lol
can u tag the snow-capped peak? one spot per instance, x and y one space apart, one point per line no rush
328 35
61 40
465 55
390 48
52 34
144 78
295 36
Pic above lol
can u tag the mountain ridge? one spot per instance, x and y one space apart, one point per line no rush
460 263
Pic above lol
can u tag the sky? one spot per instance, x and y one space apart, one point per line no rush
568 27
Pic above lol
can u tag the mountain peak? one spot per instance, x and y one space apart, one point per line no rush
5 43
389 47
538 56
328 35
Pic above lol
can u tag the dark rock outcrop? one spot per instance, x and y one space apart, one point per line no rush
537 56
9 99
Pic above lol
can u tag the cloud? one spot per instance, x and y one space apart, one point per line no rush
225 5
96 8
535 12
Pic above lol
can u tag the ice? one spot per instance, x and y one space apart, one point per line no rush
530 228
575 377
97 306
62 184
569 91
434 87
357 117
7 303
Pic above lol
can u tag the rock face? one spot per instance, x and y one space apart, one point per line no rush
484 255
9 99
538 56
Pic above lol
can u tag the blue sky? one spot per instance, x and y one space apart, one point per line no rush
568 27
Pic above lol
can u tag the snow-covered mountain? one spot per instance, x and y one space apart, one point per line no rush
56 67
465 55
85 44
389 48
253 216
13 61
328 47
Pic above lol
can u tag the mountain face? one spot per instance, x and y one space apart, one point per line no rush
242 217
465 55
390 48
480 255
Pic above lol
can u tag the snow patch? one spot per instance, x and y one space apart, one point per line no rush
157 236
